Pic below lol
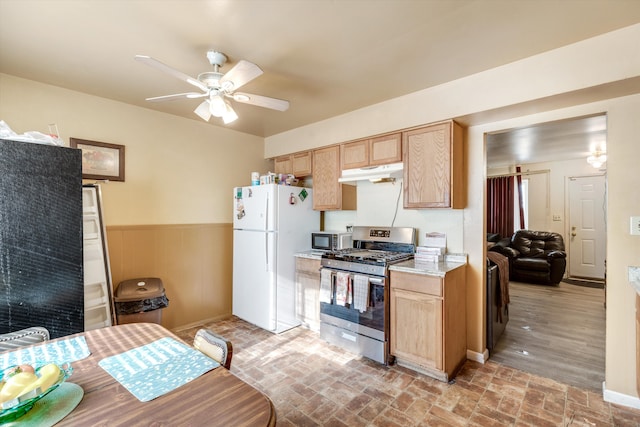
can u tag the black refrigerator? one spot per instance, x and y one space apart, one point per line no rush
41 269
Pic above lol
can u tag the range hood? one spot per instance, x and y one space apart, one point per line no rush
383 173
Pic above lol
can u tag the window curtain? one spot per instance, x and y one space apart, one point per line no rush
520 200
500 204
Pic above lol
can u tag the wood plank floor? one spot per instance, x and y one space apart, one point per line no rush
555 332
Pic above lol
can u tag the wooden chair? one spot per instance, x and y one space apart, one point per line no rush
213 345
28 336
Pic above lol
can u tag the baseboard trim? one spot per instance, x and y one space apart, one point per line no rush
200 322
619 398
478 357
433 373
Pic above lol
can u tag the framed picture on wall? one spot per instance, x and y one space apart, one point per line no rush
100 160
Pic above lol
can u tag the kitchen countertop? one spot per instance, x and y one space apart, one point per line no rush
450 263
634 278
311 254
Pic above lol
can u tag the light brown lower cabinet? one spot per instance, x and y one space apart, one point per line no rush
428 322
308 292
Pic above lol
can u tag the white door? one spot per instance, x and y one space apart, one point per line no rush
587 226
254 277
254 207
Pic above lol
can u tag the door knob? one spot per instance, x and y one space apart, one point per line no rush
573 234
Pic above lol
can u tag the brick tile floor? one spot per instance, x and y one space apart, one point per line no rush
312 383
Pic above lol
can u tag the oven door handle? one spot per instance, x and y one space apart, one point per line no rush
376 281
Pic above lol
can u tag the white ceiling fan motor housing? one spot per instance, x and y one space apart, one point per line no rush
216 58
211 79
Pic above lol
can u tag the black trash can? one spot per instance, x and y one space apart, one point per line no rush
140 300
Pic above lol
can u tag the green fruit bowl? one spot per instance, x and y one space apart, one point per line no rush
17 407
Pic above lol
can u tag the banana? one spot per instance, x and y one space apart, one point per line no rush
49 374
15 385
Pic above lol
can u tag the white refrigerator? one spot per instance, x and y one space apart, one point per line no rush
270 224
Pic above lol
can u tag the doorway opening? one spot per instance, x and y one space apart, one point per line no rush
566 195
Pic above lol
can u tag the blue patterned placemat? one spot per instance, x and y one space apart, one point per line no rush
157 368
59 352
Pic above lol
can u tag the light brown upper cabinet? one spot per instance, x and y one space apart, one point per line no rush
298 164
376 151
434 166
283 165
328 193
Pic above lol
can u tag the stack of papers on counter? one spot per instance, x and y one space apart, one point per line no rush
427 254
434 248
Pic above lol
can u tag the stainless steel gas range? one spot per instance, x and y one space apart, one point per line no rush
354 291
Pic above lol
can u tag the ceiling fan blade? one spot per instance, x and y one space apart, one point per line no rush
261 101
189 95
242 73
152 62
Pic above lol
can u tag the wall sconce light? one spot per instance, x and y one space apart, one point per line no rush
597 158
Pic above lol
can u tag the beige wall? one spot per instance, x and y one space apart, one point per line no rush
623 250
171 218
178 171
575 78
381 204
194 262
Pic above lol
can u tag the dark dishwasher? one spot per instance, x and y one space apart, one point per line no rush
495 323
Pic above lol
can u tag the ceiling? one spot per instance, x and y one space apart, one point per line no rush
326 57
553 141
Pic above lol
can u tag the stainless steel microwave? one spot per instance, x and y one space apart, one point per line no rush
331 240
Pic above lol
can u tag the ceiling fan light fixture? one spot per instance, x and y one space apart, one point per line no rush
229 114
203 111
217 106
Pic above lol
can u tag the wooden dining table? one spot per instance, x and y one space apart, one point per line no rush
216 398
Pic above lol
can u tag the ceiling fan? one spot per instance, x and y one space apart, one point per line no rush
217 87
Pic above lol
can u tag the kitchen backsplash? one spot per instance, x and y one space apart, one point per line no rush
377 206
